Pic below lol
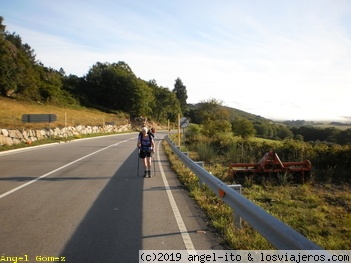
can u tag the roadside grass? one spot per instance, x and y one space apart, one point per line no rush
319 212
322 213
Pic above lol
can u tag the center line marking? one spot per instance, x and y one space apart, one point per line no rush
58 169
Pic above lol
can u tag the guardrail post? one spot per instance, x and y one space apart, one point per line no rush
237 218
202 164
186 154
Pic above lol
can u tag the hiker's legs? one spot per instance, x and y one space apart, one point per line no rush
146 163
143 156
145 166
149 160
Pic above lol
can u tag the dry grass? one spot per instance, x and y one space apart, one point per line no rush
11 112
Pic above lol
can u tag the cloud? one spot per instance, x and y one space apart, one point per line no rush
283 58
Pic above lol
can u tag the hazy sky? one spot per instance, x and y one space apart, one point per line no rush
280 59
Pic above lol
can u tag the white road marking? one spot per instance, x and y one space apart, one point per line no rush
182 228
58 169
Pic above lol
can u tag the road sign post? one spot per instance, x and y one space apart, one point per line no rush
182 123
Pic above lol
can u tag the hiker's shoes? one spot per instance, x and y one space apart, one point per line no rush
149 173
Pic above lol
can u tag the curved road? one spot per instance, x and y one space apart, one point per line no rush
84 202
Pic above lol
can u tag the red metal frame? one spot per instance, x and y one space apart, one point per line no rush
270 163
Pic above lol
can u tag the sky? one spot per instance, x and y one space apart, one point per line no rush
279 59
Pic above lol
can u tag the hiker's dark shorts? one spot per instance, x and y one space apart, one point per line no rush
144 154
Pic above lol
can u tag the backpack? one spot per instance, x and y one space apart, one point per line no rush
146 142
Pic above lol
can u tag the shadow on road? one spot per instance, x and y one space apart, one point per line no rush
112 229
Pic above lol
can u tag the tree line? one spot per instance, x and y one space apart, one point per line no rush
214 119
110 87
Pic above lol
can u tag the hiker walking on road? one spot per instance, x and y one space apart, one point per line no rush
146 147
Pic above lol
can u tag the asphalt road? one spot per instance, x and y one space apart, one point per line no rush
82 201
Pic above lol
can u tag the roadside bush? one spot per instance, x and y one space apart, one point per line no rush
206 152
193 135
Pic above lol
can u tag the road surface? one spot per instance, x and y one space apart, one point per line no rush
82 201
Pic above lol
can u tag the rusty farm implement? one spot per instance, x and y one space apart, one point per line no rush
271 164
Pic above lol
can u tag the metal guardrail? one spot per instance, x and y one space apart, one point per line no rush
37 118
275 231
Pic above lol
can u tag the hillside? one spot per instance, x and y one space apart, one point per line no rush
246 115
236 113
11 112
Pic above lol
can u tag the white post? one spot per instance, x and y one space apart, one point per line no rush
237 218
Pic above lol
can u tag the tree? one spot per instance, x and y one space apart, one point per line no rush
2 27
208 110
243 127
166 105
114 86
283 132
298 137
311 133
213 117
261 129
19 76
344 137
181 94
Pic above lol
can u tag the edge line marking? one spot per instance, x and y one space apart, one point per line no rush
182 228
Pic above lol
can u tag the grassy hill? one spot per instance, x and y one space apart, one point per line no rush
236 113
11 112
246 115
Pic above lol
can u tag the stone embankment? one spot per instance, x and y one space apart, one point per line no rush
10 137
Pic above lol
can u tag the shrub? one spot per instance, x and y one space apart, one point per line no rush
206 152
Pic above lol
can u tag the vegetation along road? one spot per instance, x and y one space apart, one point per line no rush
83 200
